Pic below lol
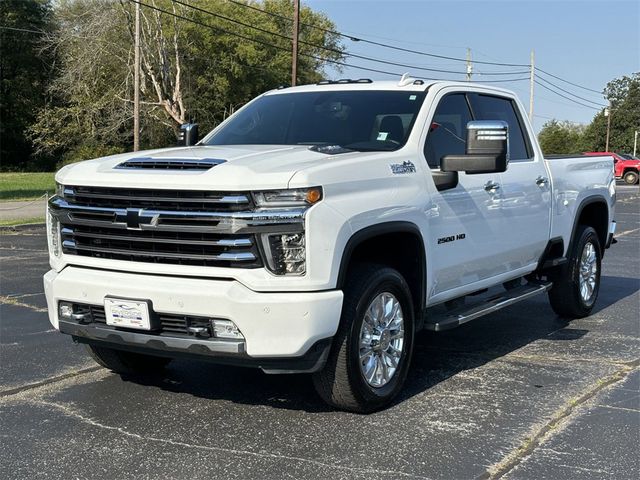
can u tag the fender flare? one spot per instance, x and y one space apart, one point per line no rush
583 204
379 229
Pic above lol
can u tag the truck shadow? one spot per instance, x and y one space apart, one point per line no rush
437 356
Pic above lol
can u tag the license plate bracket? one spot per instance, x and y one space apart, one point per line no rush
128 313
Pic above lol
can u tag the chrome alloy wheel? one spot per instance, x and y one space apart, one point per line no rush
381 340
588 271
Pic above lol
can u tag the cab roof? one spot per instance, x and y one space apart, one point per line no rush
406 84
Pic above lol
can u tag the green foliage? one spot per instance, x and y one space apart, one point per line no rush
561 137
24 74
565 137
223 72
205 73
624 95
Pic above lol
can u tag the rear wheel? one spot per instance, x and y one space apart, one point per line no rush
127 363
630 177
576 284
372 349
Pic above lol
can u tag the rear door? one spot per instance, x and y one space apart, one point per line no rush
526 195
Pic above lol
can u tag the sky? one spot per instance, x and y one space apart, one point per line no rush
588 42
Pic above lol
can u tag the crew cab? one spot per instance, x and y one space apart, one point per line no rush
625 167
319 228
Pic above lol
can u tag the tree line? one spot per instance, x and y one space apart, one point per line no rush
557 137
66 69
66 75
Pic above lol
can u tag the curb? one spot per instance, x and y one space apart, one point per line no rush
21 227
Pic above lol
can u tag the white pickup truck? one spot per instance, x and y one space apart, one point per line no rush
319 228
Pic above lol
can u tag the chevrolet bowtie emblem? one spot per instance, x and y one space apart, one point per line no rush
136 217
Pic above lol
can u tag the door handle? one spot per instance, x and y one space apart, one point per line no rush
491 186
542 181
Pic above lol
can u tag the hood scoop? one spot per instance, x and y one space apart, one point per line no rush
149 163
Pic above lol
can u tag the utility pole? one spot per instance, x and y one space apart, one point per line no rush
635 143
136 84
469 65
296 32
607 113
532 81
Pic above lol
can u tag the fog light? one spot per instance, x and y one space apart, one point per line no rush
65 309
225 329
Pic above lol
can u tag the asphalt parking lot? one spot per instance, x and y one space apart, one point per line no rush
519 394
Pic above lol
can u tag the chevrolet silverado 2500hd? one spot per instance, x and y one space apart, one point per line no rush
319 228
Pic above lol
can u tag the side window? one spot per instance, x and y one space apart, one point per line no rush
487 107
448 132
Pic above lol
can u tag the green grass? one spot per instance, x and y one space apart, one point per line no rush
21 221
26 186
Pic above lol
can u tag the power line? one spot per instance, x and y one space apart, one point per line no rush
371 42
261 42
570 93
278 47
570 83
504 80
408 50
564 96
521 72
333 50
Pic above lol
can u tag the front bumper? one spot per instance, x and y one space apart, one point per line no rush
284 330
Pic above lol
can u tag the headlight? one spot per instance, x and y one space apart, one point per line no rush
54 233
295 197
59 190
285 253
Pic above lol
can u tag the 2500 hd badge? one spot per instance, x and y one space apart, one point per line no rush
452 238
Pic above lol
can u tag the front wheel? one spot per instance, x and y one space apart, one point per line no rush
127 363
630 177
576 284
372 349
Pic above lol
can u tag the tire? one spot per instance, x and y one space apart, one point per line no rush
342 383
572 295
630 177
127 363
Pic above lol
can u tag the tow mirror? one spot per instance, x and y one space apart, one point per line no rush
188 134
487 149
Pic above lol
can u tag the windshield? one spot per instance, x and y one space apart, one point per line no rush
353 120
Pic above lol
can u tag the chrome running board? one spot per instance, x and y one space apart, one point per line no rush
453 318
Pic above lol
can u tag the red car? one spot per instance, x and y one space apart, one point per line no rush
624 168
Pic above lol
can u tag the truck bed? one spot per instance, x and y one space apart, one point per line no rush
575 179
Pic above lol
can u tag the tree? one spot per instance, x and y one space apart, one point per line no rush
24 75
624 95
197 69
561 137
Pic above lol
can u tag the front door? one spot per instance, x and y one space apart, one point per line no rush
465 222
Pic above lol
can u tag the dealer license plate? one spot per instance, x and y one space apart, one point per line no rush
127 313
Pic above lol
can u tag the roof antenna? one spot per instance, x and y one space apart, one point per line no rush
405 80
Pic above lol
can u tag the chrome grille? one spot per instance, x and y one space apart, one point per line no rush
180 227
182 248
157 199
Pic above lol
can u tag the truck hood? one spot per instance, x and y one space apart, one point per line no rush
242 167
